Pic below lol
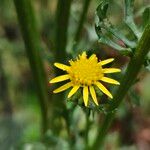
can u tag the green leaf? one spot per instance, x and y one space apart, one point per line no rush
106 40
129 9
105 30
129 19
114 31
146 16
102 9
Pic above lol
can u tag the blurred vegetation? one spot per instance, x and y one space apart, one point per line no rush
62 29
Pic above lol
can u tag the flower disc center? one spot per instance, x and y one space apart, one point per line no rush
85 71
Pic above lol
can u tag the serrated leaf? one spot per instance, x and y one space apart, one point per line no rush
104 28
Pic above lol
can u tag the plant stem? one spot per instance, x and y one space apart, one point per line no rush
62 20
4 94
31 38
87 113
127 81
82 19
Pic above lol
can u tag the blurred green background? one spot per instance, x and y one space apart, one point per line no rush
19 107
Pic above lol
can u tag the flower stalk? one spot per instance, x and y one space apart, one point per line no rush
127 81
31 39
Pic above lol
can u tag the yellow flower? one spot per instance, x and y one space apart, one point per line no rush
85 73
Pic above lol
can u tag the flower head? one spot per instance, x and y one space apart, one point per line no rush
85 73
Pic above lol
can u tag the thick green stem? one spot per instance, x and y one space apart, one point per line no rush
127 81
81 21
32 43
62 20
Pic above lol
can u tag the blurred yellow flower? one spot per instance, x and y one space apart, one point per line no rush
85 73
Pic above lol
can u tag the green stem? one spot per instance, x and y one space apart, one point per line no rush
127 81
82 19
31 38
4 94
87 113
62 20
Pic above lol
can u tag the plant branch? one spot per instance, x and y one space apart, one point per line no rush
127 81
31 38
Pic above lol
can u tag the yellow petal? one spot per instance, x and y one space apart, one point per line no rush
62 88
109 80
93 94
60 78
111 70
73 90
103 89
85 95
61 66
104 62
